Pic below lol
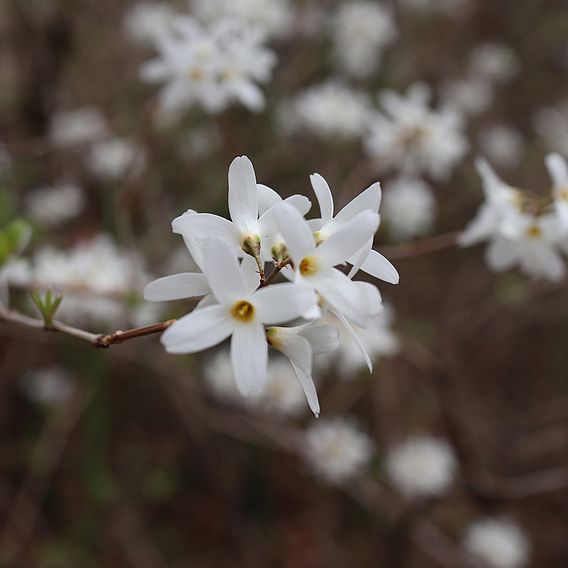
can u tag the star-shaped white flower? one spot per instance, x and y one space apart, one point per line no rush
241 312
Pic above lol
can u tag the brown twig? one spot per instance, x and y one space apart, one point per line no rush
277 268
423 246
94 339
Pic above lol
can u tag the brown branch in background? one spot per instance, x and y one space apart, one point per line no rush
94 339
423 246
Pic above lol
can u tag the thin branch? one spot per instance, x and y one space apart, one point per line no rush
94 339
277 268
423 246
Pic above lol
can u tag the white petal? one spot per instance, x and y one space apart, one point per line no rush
223 272
322 337
249 356
307 383
349 238
342 293
296 232
501 254
378 266
283 302
299 202
558 170
368 199
267 197
371 297
359 258
205 225
352 333
250 272
177 287
324 197
199 330
243 200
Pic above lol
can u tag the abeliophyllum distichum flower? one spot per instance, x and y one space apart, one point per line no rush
241 301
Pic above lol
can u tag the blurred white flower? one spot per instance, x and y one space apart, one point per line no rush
79 126
201 142
273 17
115 158
49 386
494 62
94 275
378 340
336 450
218 373
471 95
409 207
499 543
414 138
552 125
502 143
145 22
361 30
332 110
54 205
421 466
210 66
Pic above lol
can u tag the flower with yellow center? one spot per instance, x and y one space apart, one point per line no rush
241 312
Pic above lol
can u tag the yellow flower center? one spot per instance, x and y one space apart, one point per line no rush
563 194
534 232
308 266
243 311
196 74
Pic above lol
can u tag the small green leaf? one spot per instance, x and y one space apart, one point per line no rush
48 304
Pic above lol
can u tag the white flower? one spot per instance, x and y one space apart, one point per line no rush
78 126
413 137
504 144
366 259
336 450
500 543
242 312
145 22
472 95
421 466
361 30
558 171
331 110
115 158
251 207
373 342
49 386
300 344
552 125
55 205
273 17
211 67
494 62
314 265
409 207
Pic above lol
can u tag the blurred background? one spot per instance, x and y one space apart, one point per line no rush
454 450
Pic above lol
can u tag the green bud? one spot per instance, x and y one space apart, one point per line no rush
47 304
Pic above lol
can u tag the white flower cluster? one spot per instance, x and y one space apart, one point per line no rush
238 300
521 229
498 543
55 205
94 276
361 31
336 450
414 138
421 466
211 65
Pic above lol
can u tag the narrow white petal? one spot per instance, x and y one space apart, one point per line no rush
307 383
359 258
322 337
501 254
558 170
283 302
205 225
349 238
296 232
368 199
378 266
371 297
342 293
267 197
249 356
250 273
177 287
223 272
352 333
299 202
198 330
243 199
324 197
